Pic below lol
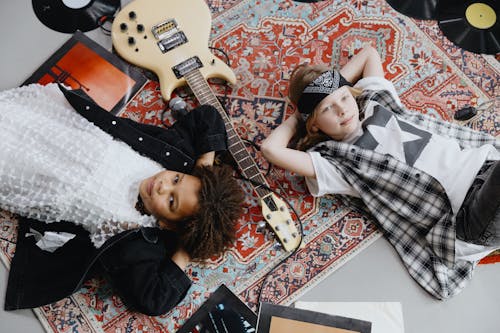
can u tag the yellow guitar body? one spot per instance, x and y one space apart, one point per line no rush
144 30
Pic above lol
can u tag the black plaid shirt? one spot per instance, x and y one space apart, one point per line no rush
411 208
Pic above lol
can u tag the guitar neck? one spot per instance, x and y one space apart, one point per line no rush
237 148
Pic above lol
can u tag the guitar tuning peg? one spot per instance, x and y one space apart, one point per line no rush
268 216
288 222
282 208
294 234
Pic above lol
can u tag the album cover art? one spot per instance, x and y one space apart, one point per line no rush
278 319
222 312
83 64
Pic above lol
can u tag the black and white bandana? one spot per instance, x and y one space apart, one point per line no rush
317 90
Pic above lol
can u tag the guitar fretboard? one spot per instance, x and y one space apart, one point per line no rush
237 148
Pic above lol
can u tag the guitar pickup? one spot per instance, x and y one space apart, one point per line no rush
171 42
164 29
186 66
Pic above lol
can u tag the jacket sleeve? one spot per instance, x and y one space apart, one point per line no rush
202 130
144 275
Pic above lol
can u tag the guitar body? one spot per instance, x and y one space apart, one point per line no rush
160 34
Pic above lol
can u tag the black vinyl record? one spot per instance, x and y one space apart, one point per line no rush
419 9
69 16
471 25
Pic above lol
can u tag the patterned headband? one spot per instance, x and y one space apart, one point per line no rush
315 91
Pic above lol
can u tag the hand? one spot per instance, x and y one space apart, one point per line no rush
181 258
206 159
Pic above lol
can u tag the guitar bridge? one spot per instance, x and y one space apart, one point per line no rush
172 41
187 66
164 29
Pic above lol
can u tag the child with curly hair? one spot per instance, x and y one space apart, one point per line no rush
92 189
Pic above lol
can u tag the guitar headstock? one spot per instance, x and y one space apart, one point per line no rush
279 219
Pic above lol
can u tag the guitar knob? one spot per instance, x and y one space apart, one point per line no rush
123 27
140 28
132 15
261 226
131 41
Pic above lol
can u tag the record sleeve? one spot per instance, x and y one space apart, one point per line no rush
81 63
222 312
277 319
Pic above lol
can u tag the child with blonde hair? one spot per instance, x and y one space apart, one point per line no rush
432 188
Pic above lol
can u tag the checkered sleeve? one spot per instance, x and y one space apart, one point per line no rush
410 209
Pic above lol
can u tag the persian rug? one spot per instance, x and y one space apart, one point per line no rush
264 41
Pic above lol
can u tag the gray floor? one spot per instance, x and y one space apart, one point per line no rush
374 275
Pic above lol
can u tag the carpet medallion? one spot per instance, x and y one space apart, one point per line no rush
264 40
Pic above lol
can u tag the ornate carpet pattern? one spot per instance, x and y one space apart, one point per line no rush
264 40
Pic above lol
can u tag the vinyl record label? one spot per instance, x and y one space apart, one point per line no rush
471 25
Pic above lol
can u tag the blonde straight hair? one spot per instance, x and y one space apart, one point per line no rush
301 76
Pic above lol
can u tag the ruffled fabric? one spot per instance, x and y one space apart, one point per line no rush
57 166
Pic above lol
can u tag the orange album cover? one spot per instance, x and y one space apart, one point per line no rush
83 64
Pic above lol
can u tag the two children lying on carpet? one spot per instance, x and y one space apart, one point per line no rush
427 184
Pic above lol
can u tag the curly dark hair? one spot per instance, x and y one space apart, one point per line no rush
213 227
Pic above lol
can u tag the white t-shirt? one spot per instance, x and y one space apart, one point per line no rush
434 154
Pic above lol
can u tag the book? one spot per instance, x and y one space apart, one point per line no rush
222 312
81 63
278 319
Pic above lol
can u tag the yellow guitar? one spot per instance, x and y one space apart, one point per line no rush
171 38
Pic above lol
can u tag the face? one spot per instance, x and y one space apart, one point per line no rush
170 196
337 115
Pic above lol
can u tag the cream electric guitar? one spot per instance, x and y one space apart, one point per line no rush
171 38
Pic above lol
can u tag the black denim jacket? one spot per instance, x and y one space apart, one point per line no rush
136 262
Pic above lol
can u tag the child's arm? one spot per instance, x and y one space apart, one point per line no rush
274 148
366 63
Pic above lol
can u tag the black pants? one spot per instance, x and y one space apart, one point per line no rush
478 220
